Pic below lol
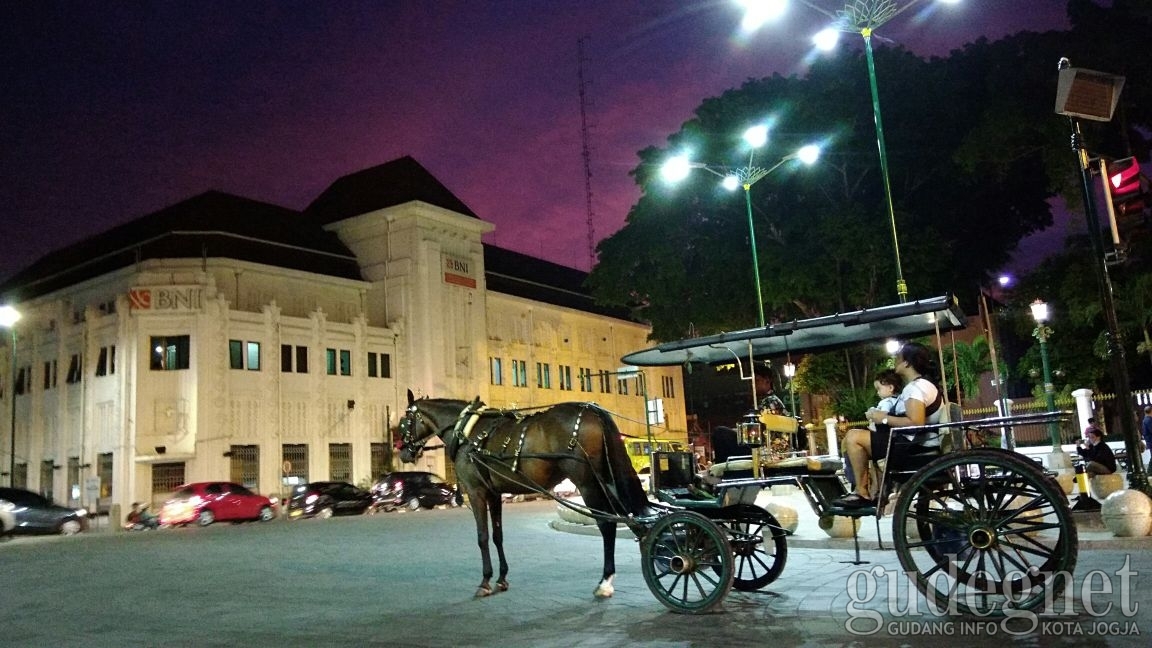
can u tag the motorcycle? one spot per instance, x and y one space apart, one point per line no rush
139 519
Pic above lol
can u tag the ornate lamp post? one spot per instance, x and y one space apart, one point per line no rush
1041 333
679 167
861 17
8 318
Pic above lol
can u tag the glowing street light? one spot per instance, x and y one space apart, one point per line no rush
1041 333
862 17
678 168
8 318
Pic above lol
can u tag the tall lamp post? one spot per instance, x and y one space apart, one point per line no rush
862 17
679 167
8 318
1041 333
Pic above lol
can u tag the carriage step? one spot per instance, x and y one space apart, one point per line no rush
865 511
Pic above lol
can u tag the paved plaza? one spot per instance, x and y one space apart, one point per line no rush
406 579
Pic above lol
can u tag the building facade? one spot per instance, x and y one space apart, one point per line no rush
224 338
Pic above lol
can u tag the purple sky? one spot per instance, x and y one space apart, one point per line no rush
113 110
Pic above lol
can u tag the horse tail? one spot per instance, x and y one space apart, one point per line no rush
629 490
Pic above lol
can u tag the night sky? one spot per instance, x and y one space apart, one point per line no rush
112 110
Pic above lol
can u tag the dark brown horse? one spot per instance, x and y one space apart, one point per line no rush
498 451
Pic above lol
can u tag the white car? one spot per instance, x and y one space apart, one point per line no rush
7 518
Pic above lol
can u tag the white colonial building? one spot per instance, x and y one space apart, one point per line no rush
224 338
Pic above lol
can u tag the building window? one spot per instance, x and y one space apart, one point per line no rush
497 371
49 374
21 478
23 381
293 358
47 476
519 373
340 462
245 465
622 386
167 477
379 365
605 381
543 375
170 353
244 355
345 366
585 379
669 386
380 460
564 375
75 369
295 456
106 361
104 472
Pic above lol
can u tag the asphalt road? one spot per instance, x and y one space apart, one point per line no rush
407 579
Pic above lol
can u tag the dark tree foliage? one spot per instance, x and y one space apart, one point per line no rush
975 153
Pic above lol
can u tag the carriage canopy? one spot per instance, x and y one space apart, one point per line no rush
825 333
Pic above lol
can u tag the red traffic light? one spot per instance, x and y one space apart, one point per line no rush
1124 176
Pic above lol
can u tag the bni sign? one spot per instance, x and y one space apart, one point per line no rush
168 298
458 271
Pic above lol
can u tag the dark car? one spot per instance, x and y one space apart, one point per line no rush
33 513
414 490
325 499
208 502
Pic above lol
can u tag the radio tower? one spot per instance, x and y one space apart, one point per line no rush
586 152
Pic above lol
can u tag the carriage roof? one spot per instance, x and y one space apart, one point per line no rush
825 333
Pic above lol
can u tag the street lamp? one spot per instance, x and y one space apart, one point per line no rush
1041 333
8 318
679 167
862 17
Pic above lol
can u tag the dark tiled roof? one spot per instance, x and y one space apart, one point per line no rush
386 185
212 224
520 275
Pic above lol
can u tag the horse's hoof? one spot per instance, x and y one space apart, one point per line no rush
604 590
481 592
502 586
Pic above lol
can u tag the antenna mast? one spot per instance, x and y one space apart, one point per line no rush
586 152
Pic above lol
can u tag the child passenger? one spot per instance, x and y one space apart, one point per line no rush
888 384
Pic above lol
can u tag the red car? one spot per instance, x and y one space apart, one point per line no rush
208 502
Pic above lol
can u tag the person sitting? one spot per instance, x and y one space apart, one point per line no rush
888 384
1097 455
919 403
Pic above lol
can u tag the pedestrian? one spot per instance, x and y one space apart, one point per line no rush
1146 433
1097 455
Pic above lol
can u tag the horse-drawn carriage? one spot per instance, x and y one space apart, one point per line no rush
978 529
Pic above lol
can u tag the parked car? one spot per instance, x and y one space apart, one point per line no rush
208 502
414 490
34 513
325 499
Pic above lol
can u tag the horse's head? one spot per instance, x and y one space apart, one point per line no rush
415 430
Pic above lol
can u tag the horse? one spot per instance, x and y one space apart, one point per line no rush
502 451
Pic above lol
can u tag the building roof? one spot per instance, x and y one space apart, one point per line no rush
386 185
520 275
212 224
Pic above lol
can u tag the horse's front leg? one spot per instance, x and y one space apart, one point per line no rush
480 514
608 535
498 540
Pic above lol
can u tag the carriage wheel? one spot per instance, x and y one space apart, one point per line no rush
759 546
995 533
687 562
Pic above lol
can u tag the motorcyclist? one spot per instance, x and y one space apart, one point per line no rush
139 517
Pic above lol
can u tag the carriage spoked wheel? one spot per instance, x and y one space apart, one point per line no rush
994 532
687 562
759 545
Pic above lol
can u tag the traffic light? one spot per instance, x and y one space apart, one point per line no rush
1128 187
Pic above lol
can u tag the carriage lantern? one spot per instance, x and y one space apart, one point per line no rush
749 432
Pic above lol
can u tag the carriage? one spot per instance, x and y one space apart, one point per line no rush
978 529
